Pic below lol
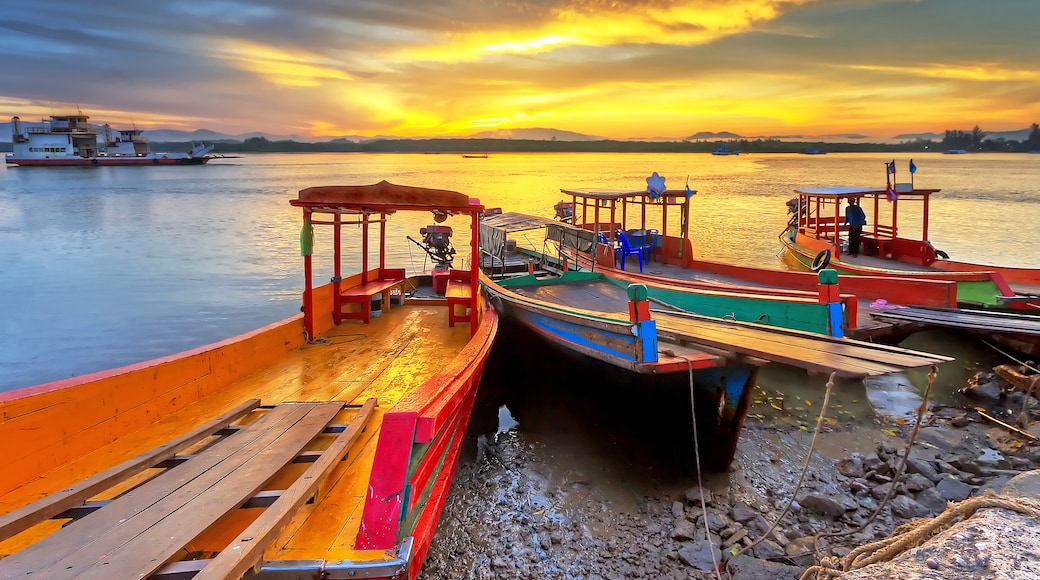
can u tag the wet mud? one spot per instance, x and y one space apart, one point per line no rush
573 470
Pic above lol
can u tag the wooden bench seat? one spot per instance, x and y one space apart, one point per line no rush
390 278
137 533
459 294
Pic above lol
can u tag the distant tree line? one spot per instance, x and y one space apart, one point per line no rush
976 141
436 146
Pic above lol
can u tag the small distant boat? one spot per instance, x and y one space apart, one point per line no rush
70 140
475 155
724 150
814 151
955 152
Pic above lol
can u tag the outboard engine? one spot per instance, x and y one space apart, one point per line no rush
436 241
564 211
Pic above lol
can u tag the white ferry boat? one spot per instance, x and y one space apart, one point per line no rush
70 140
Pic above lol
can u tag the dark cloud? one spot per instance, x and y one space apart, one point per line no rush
378 65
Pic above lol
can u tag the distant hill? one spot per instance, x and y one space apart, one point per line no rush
536 134
710 136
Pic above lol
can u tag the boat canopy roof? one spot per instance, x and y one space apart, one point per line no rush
517 222
609 194
385 198
493 230
857 191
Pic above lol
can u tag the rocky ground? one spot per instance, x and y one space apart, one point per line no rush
512 513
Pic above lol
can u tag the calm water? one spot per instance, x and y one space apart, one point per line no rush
109 266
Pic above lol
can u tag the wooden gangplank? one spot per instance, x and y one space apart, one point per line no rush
814 352
139 532
978 320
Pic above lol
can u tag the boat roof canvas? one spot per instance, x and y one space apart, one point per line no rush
854 191
616 194
516 222
383 197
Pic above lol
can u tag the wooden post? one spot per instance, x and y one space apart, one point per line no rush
645 327
308 291
638 304
830 295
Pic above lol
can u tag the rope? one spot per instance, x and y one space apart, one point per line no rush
805 468
932 375
700 485
915 533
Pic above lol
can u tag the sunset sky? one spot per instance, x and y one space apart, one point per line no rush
616 69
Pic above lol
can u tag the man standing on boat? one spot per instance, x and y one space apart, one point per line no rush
855 219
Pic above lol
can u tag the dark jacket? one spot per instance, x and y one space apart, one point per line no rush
854 216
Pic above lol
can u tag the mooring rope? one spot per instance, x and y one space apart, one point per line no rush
805 468
932 375
915 533
700 484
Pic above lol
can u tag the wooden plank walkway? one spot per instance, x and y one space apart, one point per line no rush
814 352
135 534
981 320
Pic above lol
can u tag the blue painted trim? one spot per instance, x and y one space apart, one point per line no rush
572 333
736 382
646 335
837 319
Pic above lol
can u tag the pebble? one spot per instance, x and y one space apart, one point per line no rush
487 532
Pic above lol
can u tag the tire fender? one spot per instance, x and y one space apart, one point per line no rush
821 260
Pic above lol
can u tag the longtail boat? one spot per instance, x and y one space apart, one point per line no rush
661 220
610 320
818 237
320 446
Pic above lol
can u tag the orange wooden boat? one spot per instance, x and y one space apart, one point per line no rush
321 446
817 237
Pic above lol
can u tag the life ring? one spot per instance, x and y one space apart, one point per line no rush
821 260
93 161
939 254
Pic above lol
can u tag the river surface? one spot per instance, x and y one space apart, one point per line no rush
108 266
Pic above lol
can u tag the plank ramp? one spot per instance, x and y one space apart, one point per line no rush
980 320
136 534
814 352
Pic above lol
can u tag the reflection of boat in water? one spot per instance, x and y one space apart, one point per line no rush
813 151
724 150
609 319
69 140
320 446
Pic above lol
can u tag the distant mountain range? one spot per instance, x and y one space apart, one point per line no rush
539 134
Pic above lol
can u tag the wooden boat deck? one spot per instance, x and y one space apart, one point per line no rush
866 326
814 352
382 361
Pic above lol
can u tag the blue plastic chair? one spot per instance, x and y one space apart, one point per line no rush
627 250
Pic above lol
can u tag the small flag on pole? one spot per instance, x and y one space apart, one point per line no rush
891 167
891 192
913 168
